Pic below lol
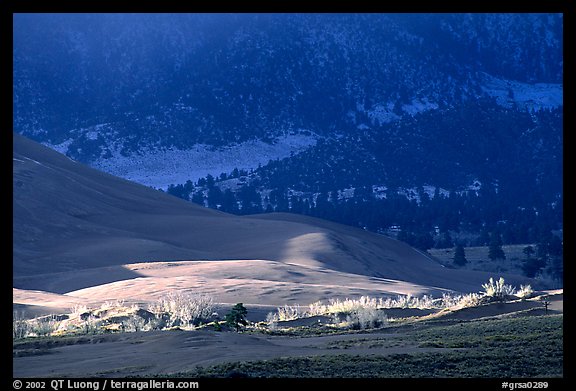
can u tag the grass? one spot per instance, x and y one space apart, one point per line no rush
494 333
38 346
504 348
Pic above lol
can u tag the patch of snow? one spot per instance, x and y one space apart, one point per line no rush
62 147
476 185
430 190
382 114
379 191
411 194
418 106
529 96
232 184
346 193
162 168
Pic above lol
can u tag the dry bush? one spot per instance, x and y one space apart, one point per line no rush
43 327
348 306
135 323
498 290
183 309
460 301
79 309
20 326
272 320
90 325
366 318
525 292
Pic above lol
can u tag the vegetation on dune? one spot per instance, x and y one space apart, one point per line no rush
190 311
237 317
498 290
174 310
498 346
368 312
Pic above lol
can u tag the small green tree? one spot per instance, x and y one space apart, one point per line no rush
495 249
460 255
237 316
528 251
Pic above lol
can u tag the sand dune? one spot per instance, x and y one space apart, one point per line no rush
261 282
85 234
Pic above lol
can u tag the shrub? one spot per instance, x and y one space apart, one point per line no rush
288 312
498 289
91 325
79 309
525 291
44 326
469 300
366 318
460 301
20 327
336 306
272 320
317 308
135 323
183 309
349 306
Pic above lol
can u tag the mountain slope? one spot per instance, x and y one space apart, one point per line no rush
132 83
290 109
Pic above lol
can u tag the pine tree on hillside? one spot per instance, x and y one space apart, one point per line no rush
495 249
460 255
528 251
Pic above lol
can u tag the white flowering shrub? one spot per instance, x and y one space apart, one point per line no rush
498 290
183 309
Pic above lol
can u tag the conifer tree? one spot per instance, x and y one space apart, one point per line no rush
460 255
237 316
495 249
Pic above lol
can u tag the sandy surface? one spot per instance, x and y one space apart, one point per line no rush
249 281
